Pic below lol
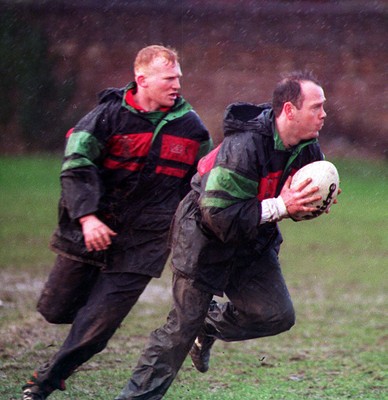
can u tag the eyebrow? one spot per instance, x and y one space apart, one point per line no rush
318 103
173 76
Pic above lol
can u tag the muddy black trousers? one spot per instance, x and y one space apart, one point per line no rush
257 307
95 302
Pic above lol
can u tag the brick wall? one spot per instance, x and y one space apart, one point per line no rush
236 51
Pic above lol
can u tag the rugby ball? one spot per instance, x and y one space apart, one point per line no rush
324 175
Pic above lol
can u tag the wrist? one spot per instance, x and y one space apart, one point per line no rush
282 208
273 210
85 218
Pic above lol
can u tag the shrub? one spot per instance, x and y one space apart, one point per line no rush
33 99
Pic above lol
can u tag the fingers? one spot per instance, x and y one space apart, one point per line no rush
98 240
304 194
301 187
97 235
287 183
299 198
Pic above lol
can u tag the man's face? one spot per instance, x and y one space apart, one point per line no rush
162 83
310 117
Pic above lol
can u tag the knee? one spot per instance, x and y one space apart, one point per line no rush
271 322
53 314
283 321
286 320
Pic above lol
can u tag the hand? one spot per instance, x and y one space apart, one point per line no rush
335 201
297 199
97 235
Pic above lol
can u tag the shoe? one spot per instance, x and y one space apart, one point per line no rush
32 391
200 352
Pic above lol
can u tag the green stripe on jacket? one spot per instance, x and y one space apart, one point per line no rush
81 150
234 185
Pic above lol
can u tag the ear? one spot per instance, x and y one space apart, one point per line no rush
141 80
288 109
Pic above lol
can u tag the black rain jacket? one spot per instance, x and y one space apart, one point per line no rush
217 229
131 169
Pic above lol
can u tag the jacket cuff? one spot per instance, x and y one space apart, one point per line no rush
273 210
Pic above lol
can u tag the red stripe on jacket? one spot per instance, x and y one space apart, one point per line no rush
178 172
206 163
175 148
69 132
130 166
130 145
268 185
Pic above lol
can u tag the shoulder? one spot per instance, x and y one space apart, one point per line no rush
187 121
193 116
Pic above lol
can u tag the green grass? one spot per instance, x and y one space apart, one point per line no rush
335 267
29 195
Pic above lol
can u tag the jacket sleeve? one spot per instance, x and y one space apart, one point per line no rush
228 200
80 176
205 146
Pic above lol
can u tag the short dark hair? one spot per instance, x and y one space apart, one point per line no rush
289 89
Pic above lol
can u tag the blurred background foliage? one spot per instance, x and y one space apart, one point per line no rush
33 99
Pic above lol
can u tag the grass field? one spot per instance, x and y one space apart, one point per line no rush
335 266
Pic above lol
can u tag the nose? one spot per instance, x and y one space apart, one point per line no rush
323 113
177 84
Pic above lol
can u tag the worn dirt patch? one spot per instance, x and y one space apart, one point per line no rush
18 296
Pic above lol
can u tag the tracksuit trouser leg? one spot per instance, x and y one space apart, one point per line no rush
169 345
109 302
257 307
66 290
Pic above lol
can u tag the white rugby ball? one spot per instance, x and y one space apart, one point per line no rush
324 175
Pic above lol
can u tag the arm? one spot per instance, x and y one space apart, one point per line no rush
206 145
229 202
290 202
228 190
82 186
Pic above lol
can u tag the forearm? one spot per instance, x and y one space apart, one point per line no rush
81 191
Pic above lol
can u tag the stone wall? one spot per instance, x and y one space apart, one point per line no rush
236 51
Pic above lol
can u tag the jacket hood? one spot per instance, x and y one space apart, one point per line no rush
243 116
110 94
